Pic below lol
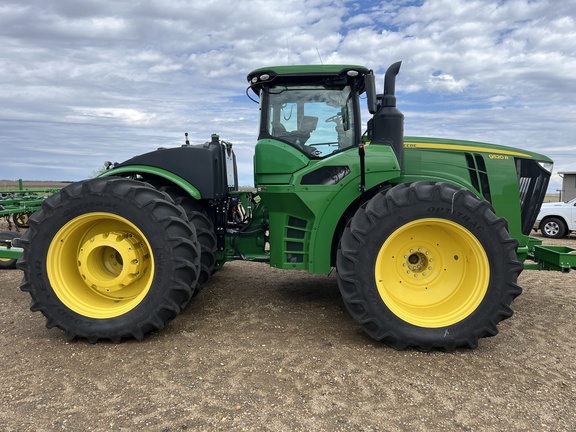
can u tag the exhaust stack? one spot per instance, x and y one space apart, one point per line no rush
387 125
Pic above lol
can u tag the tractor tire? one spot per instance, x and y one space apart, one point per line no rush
204 231
7 263
553 228
109 258
428 265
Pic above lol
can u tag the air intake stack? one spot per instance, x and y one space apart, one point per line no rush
387 125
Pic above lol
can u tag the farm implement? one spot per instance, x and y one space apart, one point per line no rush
18 204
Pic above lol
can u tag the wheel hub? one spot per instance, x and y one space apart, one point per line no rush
110 261
418 262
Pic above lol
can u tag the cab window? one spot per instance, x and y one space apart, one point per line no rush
314 119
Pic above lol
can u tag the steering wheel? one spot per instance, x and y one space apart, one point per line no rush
335 118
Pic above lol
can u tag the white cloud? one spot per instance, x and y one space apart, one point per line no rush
126 115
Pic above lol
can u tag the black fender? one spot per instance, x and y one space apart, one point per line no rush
203 166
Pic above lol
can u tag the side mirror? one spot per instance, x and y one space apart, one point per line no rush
370 87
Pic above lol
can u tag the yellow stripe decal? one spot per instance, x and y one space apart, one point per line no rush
463 148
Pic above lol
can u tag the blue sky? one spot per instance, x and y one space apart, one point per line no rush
82 82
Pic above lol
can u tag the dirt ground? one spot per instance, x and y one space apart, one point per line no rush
272 350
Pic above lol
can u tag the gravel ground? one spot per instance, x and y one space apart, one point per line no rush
266 349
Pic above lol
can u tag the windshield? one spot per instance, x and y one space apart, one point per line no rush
315 119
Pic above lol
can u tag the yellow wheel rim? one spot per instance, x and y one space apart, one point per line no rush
432 273
100 265
23 218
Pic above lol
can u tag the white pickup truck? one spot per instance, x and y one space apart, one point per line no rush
557 219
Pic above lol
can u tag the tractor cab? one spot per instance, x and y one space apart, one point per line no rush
312 109
309 113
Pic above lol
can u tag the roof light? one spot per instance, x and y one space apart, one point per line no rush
254 80
352 73
264 77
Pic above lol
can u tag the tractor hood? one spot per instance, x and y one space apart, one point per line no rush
494 151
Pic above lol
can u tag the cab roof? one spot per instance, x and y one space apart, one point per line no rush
303 73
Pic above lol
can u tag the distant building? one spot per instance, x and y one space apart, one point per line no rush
568 184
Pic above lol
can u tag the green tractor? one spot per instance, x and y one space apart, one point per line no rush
427 236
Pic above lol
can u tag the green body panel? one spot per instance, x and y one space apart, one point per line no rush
139 169
456 161
443 144
303 216
274 162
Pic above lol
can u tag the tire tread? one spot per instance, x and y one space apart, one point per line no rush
164 213
384 205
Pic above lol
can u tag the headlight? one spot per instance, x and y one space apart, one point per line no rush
546 165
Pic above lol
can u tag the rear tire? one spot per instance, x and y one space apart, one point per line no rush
7 263
204 232
206 238
553 228
109 258
428 265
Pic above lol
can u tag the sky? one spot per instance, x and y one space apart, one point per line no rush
84 82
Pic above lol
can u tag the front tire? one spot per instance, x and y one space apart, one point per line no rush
428 265
109 258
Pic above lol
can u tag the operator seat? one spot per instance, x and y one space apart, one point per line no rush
278 129
307 126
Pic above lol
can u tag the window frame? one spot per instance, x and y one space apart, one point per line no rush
354 114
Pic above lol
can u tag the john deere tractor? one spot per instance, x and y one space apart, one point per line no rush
427 236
